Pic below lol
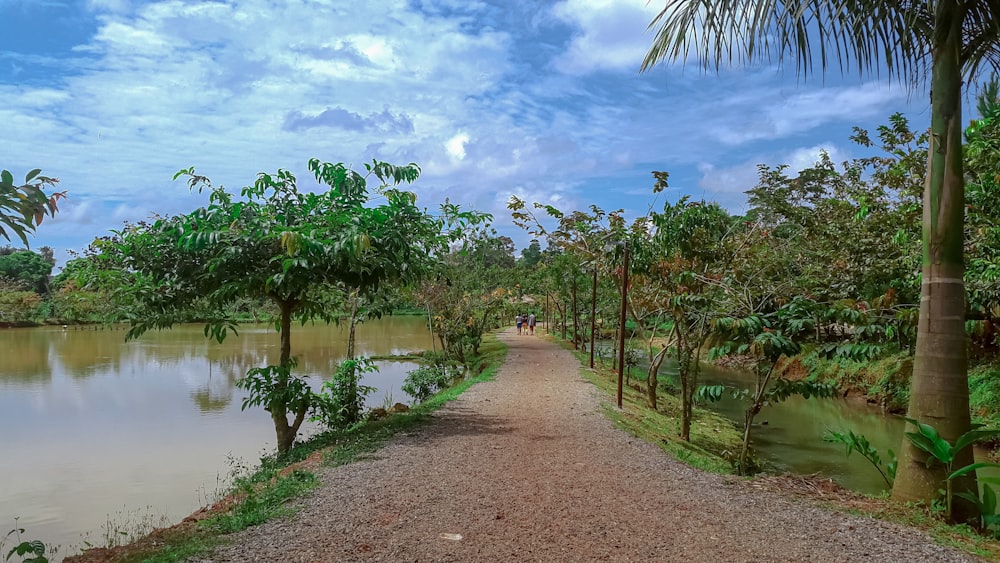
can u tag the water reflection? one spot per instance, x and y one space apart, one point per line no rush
94 425
789 435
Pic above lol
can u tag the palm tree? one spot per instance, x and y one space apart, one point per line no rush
956 39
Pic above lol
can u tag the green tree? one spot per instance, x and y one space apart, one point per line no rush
28 269
299 249
23 207
531 255
689 249
956 38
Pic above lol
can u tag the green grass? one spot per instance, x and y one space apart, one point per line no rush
260 504
712 435
263 494
984 394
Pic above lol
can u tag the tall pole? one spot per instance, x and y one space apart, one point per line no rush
621 325
593 318
546 314
576 317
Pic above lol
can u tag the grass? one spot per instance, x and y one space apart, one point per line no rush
712 435
984 394
265 493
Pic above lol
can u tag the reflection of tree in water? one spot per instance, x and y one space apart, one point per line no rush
89 349
25 354
208 403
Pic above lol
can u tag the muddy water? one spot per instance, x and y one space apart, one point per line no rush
93 428
789 435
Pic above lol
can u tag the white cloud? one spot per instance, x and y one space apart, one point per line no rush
486 97
727 184
456 145
611 34
769 113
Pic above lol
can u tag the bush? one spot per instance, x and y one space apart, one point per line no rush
339 404
424 381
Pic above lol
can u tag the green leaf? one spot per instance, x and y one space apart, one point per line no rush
970 468
973 436
31 175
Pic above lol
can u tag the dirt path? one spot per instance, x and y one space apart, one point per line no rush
525 468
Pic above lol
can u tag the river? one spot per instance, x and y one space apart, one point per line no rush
101 435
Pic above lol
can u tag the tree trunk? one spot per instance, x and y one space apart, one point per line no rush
752 411
593 318
562 317
652 380
939 393
354 324
430 327
284 432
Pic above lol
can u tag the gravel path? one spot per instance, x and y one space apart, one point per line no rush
525 468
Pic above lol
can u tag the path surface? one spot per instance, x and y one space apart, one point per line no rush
525 468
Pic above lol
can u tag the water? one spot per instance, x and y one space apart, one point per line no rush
789 435
96 428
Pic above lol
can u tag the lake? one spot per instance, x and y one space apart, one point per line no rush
96 429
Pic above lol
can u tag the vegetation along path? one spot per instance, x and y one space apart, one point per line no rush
526 468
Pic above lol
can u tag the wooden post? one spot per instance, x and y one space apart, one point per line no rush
593 318
621 329
576 318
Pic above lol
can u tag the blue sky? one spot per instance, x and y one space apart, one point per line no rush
492 98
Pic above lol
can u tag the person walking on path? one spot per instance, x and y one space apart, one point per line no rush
519 320
531 322
526 468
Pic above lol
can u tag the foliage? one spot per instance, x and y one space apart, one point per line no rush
300 249
943 44
28 551
940 450
262 504
28 269
18 306
23 207
340 403
860 444
424 381
274 387
470 291
762 337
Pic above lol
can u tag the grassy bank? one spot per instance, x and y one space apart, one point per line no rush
712 435
886 381
265 492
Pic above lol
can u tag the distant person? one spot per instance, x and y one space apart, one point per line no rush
519 320
531 323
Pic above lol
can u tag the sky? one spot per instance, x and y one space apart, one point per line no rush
491 98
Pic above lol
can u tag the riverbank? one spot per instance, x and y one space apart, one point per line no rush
264 492
525 467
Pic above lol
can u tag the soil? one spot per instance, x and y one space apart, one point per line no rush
526 468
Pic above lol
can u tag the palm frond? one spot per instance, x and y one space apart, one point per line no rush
866 36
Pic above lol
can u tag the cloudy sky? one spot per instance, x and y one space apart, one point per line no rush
542 99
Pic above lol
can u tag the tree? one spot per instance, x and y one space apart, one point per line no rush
531 255
299 249
23 207
29 270
689 246
957 38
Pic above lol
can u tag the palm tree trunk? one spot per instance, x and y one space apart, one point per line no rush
939 393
